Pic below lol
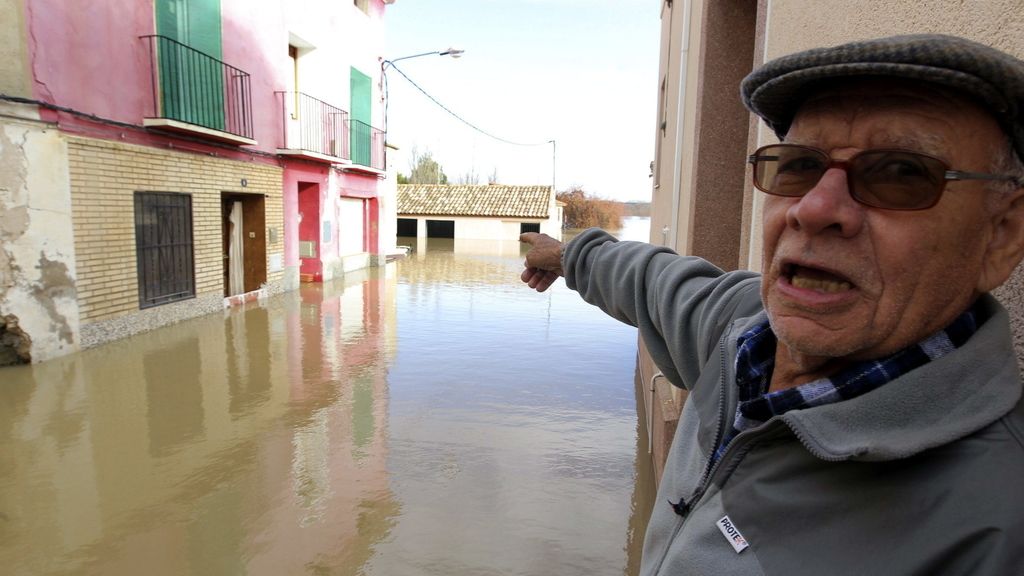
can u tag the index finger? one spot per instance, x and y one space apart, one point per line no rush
528 237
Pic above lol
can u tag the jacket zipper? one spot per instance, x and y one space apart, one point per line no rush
682 508
712 462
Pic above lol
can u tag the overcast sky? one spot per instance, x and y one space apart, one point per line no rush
580 72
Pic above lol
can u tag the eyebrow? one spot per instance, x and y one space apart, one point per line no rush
927 143
930 144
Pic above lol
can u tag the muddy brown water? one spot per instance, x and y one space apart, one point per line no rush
430 417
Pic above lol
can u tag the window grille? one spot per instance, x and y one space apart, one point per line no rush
164 251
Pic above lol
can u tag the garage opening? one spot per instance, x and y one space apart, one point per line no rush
440 229
407 227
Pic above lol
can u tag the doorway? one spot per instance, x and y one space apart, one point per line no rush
310 265
243 230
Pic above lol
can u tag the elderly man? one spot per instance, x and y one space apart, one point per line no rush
856 409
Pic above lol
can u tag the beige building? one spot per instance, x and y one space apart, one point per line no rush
477 212
702 202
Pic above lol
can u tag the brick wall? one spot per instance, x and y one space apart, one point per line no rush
104 177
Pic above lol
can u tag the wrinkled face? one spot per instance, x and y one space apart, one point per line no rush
844 280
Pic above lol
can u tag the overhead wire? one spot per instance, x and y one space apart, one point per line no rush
463 120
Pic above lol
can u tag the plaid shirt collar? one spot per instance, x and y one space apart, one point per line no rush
755 360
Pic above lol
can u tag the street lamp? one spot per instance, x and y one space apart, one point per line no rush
385 64
453 52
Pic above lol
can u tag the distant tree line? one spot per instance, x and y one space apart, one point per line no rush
583 210
637 209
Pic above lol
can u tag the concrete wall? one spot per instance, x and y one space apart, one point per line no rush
671 198
387 200
39 314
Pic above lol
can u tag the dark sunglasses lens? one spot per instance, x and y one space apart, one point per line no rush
896 180
788 170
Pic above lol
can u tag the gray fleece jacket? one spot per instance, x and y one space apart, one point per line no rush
924 475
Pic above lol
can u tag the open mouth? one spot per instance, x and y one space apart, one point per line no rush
815 279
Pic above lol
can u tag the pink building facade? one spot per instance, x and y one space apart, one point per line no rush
168 158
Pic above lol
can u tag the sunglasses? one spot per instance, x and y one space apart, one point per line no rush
891 179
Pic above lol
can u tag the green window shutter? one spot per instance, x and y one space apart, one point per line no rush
361 97
191 85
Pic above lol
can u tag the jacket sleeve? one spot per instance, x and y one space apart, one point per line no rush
681 304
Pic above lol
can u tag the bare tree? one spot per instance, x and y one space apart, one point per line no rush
470 177
423 169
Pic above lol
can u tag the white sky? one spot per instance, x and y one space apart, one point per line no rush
580 72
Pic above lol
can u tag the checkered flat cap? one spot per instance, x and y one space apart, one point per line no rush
993 78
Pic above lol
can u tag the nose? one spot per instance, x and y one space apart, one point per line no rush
828 207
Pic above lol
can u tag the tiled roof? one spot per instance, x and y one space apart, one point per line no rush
474 200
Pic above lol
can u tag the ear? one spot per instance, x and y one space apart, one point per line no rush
1006 246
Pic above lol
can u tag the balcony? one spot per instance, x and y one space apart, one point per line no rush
367 148
195 93
313 129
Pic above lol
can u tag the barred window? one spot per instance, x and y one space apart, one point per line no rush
163 242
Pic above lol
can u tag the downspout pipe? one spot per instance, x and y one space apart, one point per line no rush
677 168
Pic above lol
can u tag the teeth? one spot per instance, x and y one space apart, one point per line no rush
819 285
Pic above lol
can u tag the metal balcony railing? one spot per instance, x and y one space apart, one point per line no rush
367 145
313 125
196 88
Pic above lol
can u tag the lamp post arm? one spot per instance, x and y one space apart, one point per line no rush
387 63
453 52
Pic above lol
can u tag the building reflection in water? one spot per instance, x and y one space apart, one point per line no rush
253 442
296 436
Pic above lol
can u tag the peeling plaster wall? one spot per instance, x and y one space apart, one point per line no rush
37 265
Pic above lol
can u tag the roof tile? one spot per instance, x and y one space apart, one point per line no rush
474 200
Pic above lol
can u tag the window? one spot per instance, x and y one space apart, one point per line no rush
525 227
163 244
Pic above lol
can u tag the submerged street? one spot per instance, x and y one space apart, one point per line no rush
431 417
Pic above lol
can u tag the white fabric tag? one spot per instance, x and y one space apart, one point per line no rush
739 543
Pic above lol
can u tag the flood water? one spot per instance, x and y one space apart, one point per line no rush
430 417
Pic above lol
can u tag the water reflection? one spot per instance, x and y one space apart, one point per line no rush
248 443
432 417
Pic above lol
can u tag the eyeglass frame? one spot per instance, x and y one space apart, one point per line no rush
844 165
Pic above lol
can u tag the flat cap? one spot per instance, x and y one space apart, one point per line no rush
994 79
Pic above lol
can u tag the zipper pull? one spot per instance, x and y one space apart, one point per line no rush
681 507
